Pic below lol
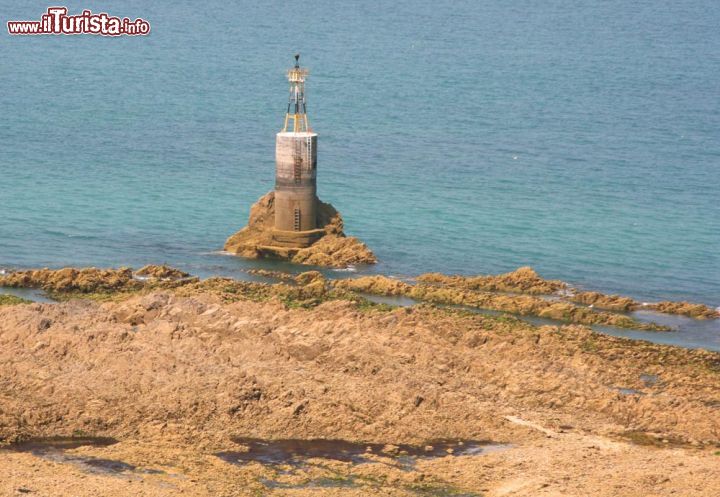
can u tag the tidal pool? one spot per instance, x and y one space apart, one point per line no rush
301 455
297 451
54 449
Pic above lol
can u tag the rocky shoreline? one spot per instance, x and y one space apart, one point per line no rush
526 281
175 369
521 292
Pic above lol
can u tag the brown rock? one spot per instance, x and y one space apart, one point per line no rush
333 249
522 280
71 279
161 272
699 311
602 301
309 277
92 280
280 275
377 285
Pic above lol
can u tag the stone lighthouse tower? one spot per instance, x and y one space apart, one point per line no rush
296 202
291 223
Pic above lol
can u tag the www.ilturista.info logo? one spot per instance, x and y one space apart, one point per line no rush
57 22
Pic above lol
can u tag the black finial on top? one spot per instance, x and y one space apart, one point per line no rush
297 60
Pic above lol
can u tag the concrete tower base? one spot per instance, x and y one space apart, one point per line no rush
299 239
295 187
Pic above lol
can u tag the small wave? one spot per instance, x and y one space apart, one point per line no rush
349 269
82 237
217 252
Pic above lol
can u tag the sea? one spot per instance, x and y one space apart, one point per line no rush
473 137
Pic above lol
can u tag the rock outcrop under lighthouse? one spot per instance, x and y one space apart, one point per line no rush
332 248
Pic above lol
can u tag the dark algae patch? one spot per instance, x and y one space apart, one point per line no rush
323 482
653 440
12 300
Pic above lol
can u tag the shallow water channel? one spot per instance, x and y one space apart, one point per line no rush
32 294
687 332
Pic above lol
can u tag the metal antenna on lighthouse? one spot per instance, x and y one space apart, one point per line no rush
297 108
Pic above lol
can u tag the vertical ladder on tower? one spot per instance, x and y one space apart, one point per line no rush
308 152
297 162
296 224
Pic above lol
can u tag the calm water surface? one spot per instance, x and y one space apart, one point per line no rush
582 138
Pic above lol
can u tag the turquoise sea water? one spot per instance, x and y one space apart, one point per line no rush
581 138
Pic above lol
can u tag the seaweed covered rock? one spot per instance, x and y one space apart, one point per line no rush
376 285
309 277
457 294
331 248
528 305
698 311
72 280
266 273
335 251
12 300
525 280
602 301
626 304
522 280
162 272
68 282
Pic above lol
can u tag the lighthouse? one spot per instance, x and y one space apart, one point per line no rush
291 223
296 203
